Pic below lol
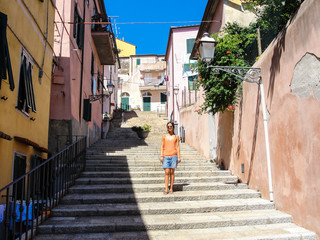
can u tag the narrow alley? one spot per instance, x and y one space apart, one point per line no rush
120 196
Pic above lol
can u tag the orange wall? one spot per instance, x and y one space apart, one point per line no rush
294 125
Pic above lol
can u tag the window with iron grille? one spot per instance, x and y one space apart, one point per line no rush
26 101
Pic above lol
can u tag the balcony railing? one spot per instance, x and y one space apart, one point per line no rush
28 200
151 83
104 39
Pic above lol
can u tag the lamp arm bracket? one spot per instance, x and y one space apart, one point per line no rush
93 98
247 74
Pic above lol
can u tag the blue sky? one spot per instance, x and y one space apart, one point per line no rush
152 38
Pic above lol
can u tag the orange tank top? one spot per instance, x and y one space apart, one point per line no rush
170 146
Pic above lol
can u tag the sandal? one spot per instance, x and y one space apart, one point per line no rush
165 193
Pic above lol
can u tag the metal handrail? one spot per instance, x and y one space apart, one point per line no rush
30 198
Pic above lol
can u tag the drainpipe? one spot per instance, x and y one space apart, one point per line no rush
102 102
82 57
173 80
45 45
265 123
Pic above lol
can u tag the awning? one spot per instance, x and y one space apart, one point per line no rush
5 136
31 143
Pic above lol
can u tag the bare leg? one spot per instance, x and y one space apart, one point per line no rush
166 179
171 179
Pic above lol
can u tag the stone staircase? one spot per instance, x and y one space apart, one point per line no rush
120 196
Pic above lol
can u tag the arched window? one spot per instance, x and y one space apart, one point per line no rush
146 94
125 94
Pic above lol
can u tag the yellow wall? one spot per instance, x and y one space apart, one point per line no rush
26 28
126 49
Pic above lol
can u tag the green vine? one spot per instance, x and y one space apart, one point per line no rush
222 90
237 46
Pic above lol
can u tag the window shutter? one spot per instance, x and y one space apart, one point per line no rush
163 98
81 34
75 20
86 110
138 61
190 43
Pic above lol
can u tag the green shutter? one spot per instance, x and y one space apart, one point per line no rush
138 61
163 98
190 43
86 110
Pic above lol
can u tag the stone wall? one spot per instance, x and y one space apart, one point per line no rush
290 74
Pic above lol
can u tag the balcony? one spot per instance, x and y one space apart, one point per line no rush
153 67
104 39
150 83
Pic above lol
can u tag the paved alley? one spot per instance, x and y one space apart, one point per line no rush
120 196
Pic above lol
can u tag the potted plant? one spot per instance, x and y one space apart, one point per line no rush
142 131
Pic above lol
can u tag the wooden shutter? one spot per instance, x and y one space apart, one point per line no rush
86 110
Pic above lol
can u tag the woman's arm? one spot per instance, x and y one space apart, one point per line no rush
178 149
162 148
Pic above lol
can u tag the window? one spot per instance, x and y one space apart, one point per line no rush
93 80
19 169
138 61
26 95
78 29
147 94
191 82
163 97
190 43
5 63
87 110
148 78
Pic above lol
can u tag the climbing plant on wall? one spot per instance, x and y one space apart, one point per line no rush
237 46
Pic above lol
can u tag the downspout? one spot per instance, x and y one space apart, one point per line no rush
173 79
82 57
45 44
102 102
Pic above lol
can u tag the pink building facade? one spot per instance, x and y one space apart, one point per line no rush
81 51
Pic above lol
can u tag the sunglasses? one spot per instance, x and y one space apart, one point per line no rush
170 127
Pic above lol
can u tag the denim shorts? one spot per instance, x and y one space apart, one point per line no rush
170 162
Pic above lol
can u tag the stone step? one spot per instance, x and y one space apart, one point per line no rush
159 173
280 231
207 165
162 221
136 188
158 196
150 208
93 181
139 157
101 167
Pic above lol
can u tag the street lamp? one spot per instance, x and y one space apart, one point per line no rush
110 88
176 90
248 74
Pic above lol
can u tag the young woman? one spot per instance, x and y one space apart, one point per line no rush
169 156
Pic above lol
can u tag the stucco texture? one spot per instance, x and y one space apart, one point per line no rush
290 70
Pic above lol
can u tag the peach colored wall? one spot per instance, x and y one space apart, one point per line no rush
293 127
196 127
